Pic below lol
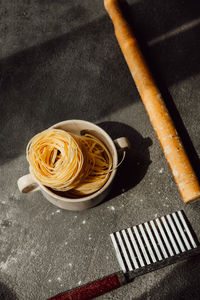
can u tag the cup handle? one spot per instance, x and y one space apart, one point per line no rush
27 184
122 144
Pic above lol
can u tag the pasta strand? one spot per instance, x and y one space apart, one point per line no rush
78 165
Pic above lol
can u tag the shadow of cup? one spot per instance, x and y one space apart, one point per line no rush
136 162
6 293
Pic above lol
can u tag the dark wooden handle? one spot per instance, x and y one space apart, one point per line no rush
92 289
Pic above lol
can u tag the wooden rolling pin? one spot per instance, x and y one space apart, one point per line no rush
171 144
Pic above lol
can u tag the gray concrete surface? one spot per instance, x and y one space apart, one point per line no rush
60 60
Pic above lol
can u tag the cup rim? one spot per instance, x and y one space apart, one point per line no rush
108 182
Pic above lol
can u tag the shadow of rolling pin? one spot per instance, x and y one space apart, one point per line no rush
168 137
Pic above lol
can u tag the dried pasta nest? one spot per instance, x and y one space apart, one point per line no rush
79 165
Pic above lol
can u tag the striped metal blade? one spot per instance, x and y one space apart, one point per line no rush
154 241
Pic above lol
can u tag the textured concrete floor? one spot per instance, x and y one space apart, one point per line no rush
59 60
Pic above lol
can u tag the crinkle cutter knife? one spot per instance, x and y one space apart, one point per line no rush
141 249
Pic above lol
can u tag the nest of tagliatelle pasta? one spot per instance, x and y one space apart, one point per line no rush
74 165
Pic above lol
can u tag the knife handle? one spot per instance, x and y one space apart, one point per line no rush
93 289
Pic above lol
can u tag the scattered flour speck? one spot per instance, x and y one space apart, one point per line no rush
5 265
49 280
112 208
79 282
167 150
156 215
59 279
58 211
175 172
83 222
66 243
33 253
70 265
75 217
161 170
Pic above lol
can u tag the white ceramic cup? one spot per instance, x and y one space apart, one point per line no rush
28 183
